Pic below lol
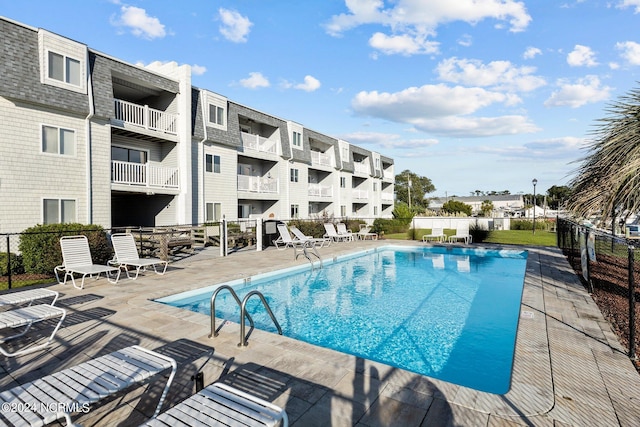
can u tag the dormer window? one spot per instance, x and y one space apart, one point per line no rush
297 139
64 69
216 115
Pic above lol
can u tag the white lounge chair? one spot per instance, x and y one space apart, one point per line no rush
437 234
299 235
462 233
126 255
27 296
342 230
332 234
285 240
26 317
365 233
76 259
56 396
220 404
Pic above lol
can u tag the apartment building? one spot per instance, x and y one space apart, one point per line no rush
85 137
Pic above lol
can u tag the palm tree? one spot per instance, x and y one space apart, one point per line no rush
608 180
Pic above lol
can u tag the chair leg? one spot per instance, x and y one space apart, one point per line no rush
36 348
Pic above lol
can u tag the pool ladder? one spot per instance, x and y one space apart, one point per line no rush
243 312
307 254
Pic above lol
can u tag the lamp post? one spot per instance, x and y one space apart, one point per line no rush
409 190
534 182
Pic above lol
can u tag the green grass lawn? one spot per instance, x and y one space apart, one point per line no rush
504 237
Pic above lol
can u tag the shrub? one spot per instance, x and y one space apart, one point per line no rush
390 226
478 233
308 228
17 267
40 245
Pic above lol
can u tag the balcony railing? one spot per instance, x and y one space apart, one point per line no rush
258 143
362 168
146 117
143 174
321 159
318 190
386 197
257 184
360 194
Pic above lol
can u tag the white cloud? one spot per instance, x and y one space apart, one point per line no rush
581 56
235 27
496 74
568 147
531 52
630 51
198 70
439 109
404 44
630 3
465 40
388 140
254 81
584 91
139 23
310 84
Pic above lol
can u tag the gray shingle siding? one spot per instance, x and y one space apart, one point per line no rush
20 71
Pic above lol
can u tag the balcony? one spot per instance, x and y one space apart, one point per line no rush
321 159
361 168
258 143
386 197
143 175
145 117
317 190
360 194
257 184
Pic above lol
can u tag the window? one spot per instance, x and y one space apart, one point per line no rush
57 211
343 182
375 186
64 69
208 161
130 155
297 139
58 141
216 115
294 175
216 164
343 210
213 212
375 210
295 210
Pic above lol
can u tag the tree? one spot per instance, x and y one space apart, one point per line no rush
420 186
486 207
557 194
455 206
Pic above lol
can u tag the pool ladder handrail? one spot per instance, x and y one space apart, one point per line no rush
307 254
243 312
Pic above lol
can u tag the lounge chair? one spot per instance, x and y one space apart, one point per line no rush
365 233
437 234
342 230
286 241
332 234
27 296
76 259
220 404
462 233
74 389
299 235
126 255
26 317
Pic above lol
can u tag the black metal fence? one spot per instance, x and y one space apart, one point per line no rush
610 268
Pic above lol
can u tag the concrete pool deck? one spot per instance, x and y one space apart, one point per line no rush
569 368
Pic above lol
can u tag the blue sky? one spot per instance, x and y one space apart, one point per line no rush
473 94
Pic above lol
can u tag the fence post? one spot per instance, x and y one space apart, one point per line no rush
8 263
632 305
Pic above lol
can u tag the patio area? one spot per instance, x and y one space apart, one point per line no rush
569 368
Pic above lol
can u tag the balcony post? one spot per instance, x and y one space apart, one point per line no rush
145 117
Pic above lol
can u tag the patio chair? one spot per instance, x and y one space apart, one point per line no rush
220 404
299 235
332 234
342 230
28 296
365 233
437 234
26 317
56 396
126 255
462 233
287 241
76 259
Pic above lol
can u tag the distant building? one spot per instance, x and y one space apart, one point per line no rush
509 204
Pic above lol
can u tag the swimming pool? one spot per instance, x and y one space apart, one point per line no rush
449 313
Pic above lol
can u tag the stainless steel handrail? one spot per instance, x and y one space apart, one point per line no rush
214 333
243 311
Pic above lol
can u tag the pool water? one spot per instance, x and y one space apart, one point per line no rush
448 313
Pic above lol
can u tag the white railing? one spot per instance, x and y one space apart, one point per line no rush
361 167
257 184
387 174
360 194
386 197
321 159
258 143
146 117
143 174
318 190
